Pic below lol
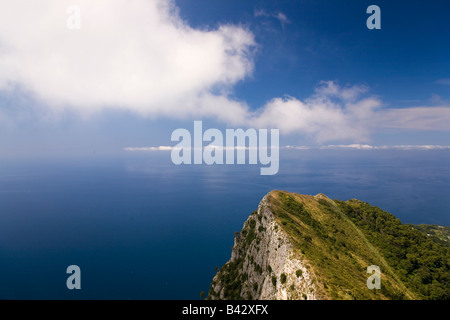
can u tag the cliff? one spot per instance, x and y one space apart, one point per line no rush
311 247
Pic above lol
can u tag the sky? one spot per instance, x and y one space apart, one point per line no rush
134 71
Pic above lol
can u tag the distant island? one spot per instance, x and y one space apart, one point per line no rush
305 247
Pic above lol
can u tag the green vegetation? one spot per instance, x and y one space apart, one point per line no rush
339 240
436 233
421 263
251 234
274 280
315 230
230 275
258 268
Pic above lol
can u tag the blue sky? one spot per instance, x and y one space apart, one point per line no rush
328 40
135 72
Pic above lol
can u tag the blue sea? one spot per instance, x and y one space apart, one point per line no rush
140 227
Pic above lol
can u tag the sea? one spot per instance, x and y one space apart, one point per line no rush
140 227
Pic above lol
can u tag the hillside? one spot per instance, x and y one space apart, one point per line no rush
311 247
440 234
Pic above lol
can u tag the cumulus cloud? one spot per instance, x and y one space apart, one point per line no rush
332 113
137 55
336 113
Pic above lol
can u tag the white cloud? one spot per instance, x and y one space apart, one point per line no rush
170 148
336 113
355 146
332 113
137 55
280 16
394 147
418 118
159 148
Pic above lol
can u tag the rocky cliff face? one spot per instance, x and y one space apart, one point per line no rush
264 264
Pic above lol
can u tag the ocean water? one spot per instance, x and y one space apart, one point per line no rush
140 227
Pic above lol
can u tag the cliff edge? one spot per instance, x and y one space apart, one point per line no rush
307 247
